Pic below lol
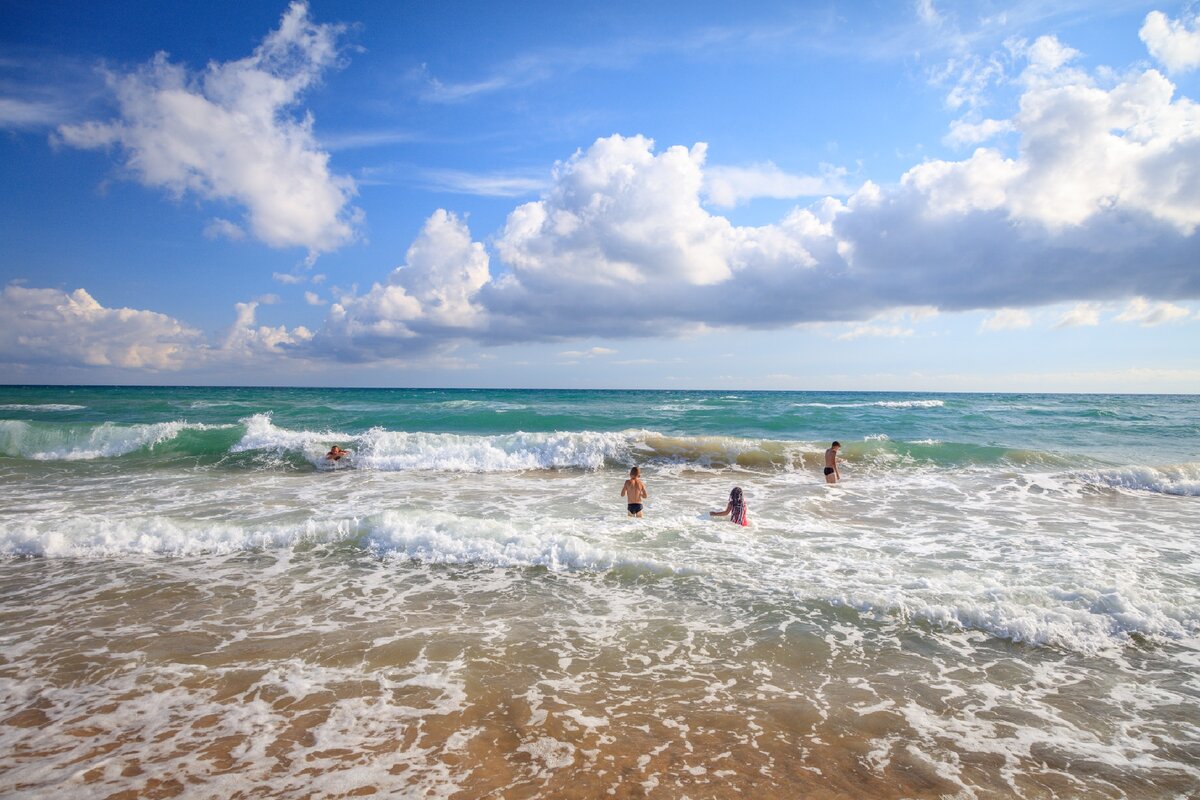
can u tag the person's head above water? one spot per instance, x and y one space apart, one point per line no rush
836 444
736 495
633 472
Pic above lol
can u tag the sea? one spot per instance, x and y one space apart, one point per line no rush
1001 598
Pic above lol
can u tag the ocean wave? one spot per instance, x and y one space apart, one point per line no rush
877 404
81 536
443 538
1176 479
1087 620
40 407
386 450
20 439
431 537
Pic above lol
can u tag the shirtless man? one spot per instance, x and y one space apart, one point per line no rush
634 492
335 453
831 468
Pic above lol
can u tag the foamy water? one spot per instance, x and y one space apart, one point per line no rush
202 604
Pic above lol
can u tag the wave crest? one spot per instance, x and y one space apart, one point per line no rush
20 439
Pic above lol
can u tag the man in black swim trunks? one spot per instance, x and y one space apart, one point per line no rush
831 468
634 491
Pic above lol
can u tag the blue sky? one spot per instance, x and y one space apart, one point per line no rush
922 196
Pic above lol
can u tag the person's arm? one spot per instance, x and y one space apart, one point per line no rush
625 488
726 512
642 486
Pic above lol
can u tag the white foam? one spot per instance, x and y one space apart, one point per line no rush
877 404
21 439
1176 479
386 450
96 536
443 538
40 407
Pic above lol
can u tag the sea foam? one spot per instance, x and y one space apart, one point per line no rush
1175 479
385 450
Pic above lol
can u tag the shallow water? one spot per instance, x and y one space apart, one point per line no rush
1001 599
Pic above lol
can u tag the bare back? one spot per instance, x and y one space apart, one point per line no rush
634 490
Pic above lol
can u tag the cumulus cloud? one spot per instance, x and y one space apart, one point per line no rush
229 134
730 186
968 133
1148 314
49 326
433 294
247 339
1174 43
621 244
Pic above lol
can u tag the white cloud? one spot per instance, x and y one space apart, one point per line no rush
1148 314
927 13
729 186
875 331
227 135
433 294
1085 152
1079 316
49 326
1174 43
247 340
590 353
969 133
313 299
286 278
1006 319
483 185
18 113
224 229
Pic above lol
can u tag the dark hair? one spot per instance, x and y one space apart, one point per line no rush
737 505
633 471
836 444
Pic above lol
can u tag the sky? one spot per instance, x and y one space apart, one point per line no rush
924 196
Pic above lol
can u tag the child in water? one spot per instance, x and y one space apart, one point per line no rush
736 509
634 492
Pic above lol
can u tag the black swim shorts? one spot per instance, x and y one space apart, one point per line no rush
634 507
829 470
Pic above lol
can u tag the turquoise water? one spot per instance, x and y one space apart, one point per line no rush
1147 430
1001 598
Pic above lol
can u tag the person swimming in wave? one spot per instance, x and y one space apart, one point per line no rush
336 453
831 468
634 492
736 508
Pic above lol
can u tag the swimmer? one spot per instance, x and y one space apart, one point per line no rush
634 492
335 453
831 468
736 508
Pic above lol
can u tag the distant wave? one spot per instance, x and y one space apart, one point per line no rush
877 404
40 407
40 442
